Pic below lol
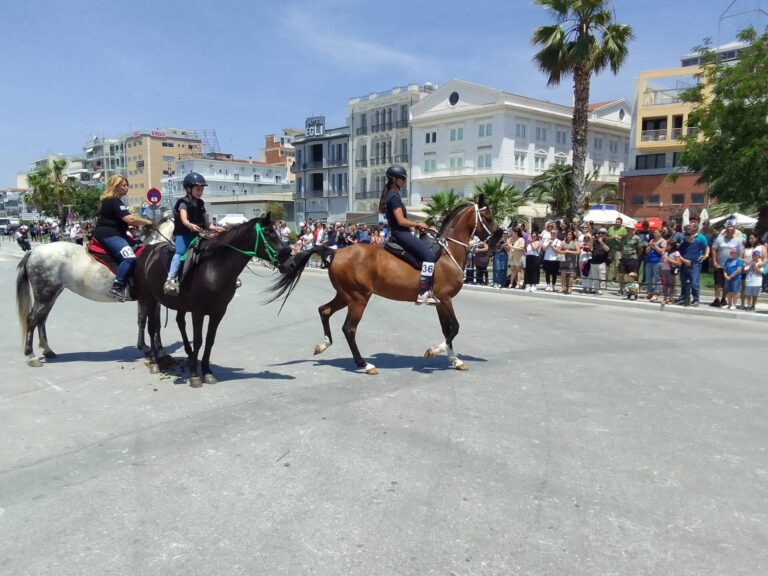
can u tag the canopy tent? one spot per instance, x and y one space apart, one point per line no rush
230 219
653 223
600 215
742 220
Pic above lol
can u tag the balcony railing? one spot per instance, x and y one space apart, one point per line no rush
654 135
662 97
337 162
401 124
367 194
362 131
401 158
361 163
314 165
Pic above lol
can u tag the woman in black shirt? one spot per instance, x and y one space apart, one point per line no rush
112 231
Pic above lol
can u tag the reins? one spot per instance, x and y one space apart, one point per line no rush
443 239
260 238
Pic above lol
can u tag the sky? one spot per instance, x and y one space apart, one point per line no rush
73 70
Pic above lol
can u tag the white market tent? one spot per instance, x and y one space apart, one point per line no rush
742 220
230 219
607 214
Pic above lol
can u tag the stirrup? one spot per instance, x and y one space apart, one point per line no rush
117 292
171 287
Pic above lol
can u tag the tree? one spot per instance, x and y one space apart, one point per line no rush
276 210
441 204
49 191
584 41
730 110
554 185
84 201
504 200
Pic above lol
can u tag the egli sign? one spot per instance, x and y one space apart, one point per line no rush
314 127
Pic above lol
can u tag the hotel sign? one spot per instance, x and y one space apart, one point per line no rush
314 127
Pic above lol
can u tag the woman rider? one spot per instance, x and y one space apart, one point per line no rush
190 219
392 206
112 231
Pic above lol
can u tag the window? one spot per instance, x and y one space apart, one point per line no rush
168 158
430 165
637 200
649 161
457 134
697 198
431 137
520 161
167 144
560 161
613 146
540 162
654 199
484 161
519 130
678 198
598 143
485 130
541 134
561 137
456 162
676 158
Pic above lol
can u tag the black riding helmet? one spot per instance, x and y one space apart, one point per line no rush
396 171
194 179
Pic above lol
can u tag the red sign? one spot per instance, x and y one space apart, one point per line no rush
154 196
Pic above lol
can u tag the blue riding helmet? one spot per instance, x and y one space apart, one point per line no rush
194 179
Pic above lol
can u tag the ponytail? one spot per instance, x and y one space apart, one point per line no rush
387 187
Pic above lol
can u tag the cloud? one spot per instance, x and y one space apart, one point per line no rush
352 53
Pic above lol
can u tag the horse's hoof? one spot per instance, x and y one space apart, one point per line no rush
463 367
34 363
319 349
49 354
154 368
166 362
430 353
371 370
194 382
210 379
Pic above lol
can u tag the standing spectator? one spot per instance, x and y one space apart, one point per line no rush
500 260
307 238
363 237
614 236
376 237
285 233
656 248
754 274
332 237
599 261
694 251
630 249
750 245
670 270
645 232
585 263
76 234
515 247
569 250
721 250
551 263
532 260
732 270
480 259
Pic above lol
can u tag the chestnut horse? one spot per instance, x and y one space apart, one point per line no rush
359 271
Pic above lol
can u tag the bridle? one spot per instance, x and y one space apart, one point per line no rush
479 224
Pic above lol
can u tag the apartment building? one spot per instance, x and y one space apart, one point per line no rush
464 134
278 149
380 135
104 157
321 189
660 121
151 155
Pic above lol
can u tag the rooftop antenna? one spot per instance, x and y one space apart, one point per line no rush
759 12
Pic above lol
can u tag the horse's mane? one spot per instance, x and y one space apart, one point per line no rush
452 214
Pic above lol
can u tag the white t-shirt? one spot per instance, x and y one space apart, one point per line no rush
723 247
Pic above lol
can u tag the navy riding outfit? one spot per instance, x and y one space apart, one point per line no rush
401 234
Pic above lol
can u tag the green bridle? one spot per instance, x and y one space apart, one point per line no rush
260 237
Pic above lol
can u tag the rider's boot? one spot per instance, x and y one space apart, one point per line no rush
425 285
171 287
117 291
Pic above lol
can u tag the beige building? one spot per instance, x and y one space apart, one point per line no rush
151 155
279 150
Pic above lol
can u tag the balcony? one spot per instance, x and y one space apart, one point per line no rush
368 194
337 162
363 130
662 97
653 135
401 124
361 163
401 158
314 165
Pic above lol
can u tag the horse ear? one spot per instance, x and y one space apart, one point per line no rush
481 201
267 218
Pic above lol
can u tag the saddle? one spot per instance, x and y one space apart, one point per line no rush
396 250
99 253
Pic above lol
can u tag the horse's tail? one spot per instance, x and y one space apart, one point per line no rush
23 298
287 282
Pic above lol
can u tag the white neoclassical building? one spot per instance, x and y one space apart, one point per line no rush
464 134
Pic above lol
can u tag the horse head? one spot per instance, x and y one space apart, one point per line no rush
258 238
486 223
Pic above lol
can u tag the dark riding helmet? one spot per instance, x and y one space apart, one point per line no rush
396 171
194 179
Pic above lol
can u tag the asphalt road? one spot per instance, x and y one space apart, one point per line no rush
584 440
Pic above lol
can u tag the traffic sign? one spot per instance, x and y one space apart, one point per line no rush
154 196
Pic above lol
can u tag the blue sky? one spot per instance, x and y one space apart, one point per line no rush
72 70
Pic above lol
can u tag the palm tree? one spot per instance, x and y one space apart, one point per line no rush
441 204
554 185
584 41
504 200
49 191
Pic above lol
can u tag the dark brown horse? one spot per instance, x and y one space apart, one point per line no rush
359 271
206 290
